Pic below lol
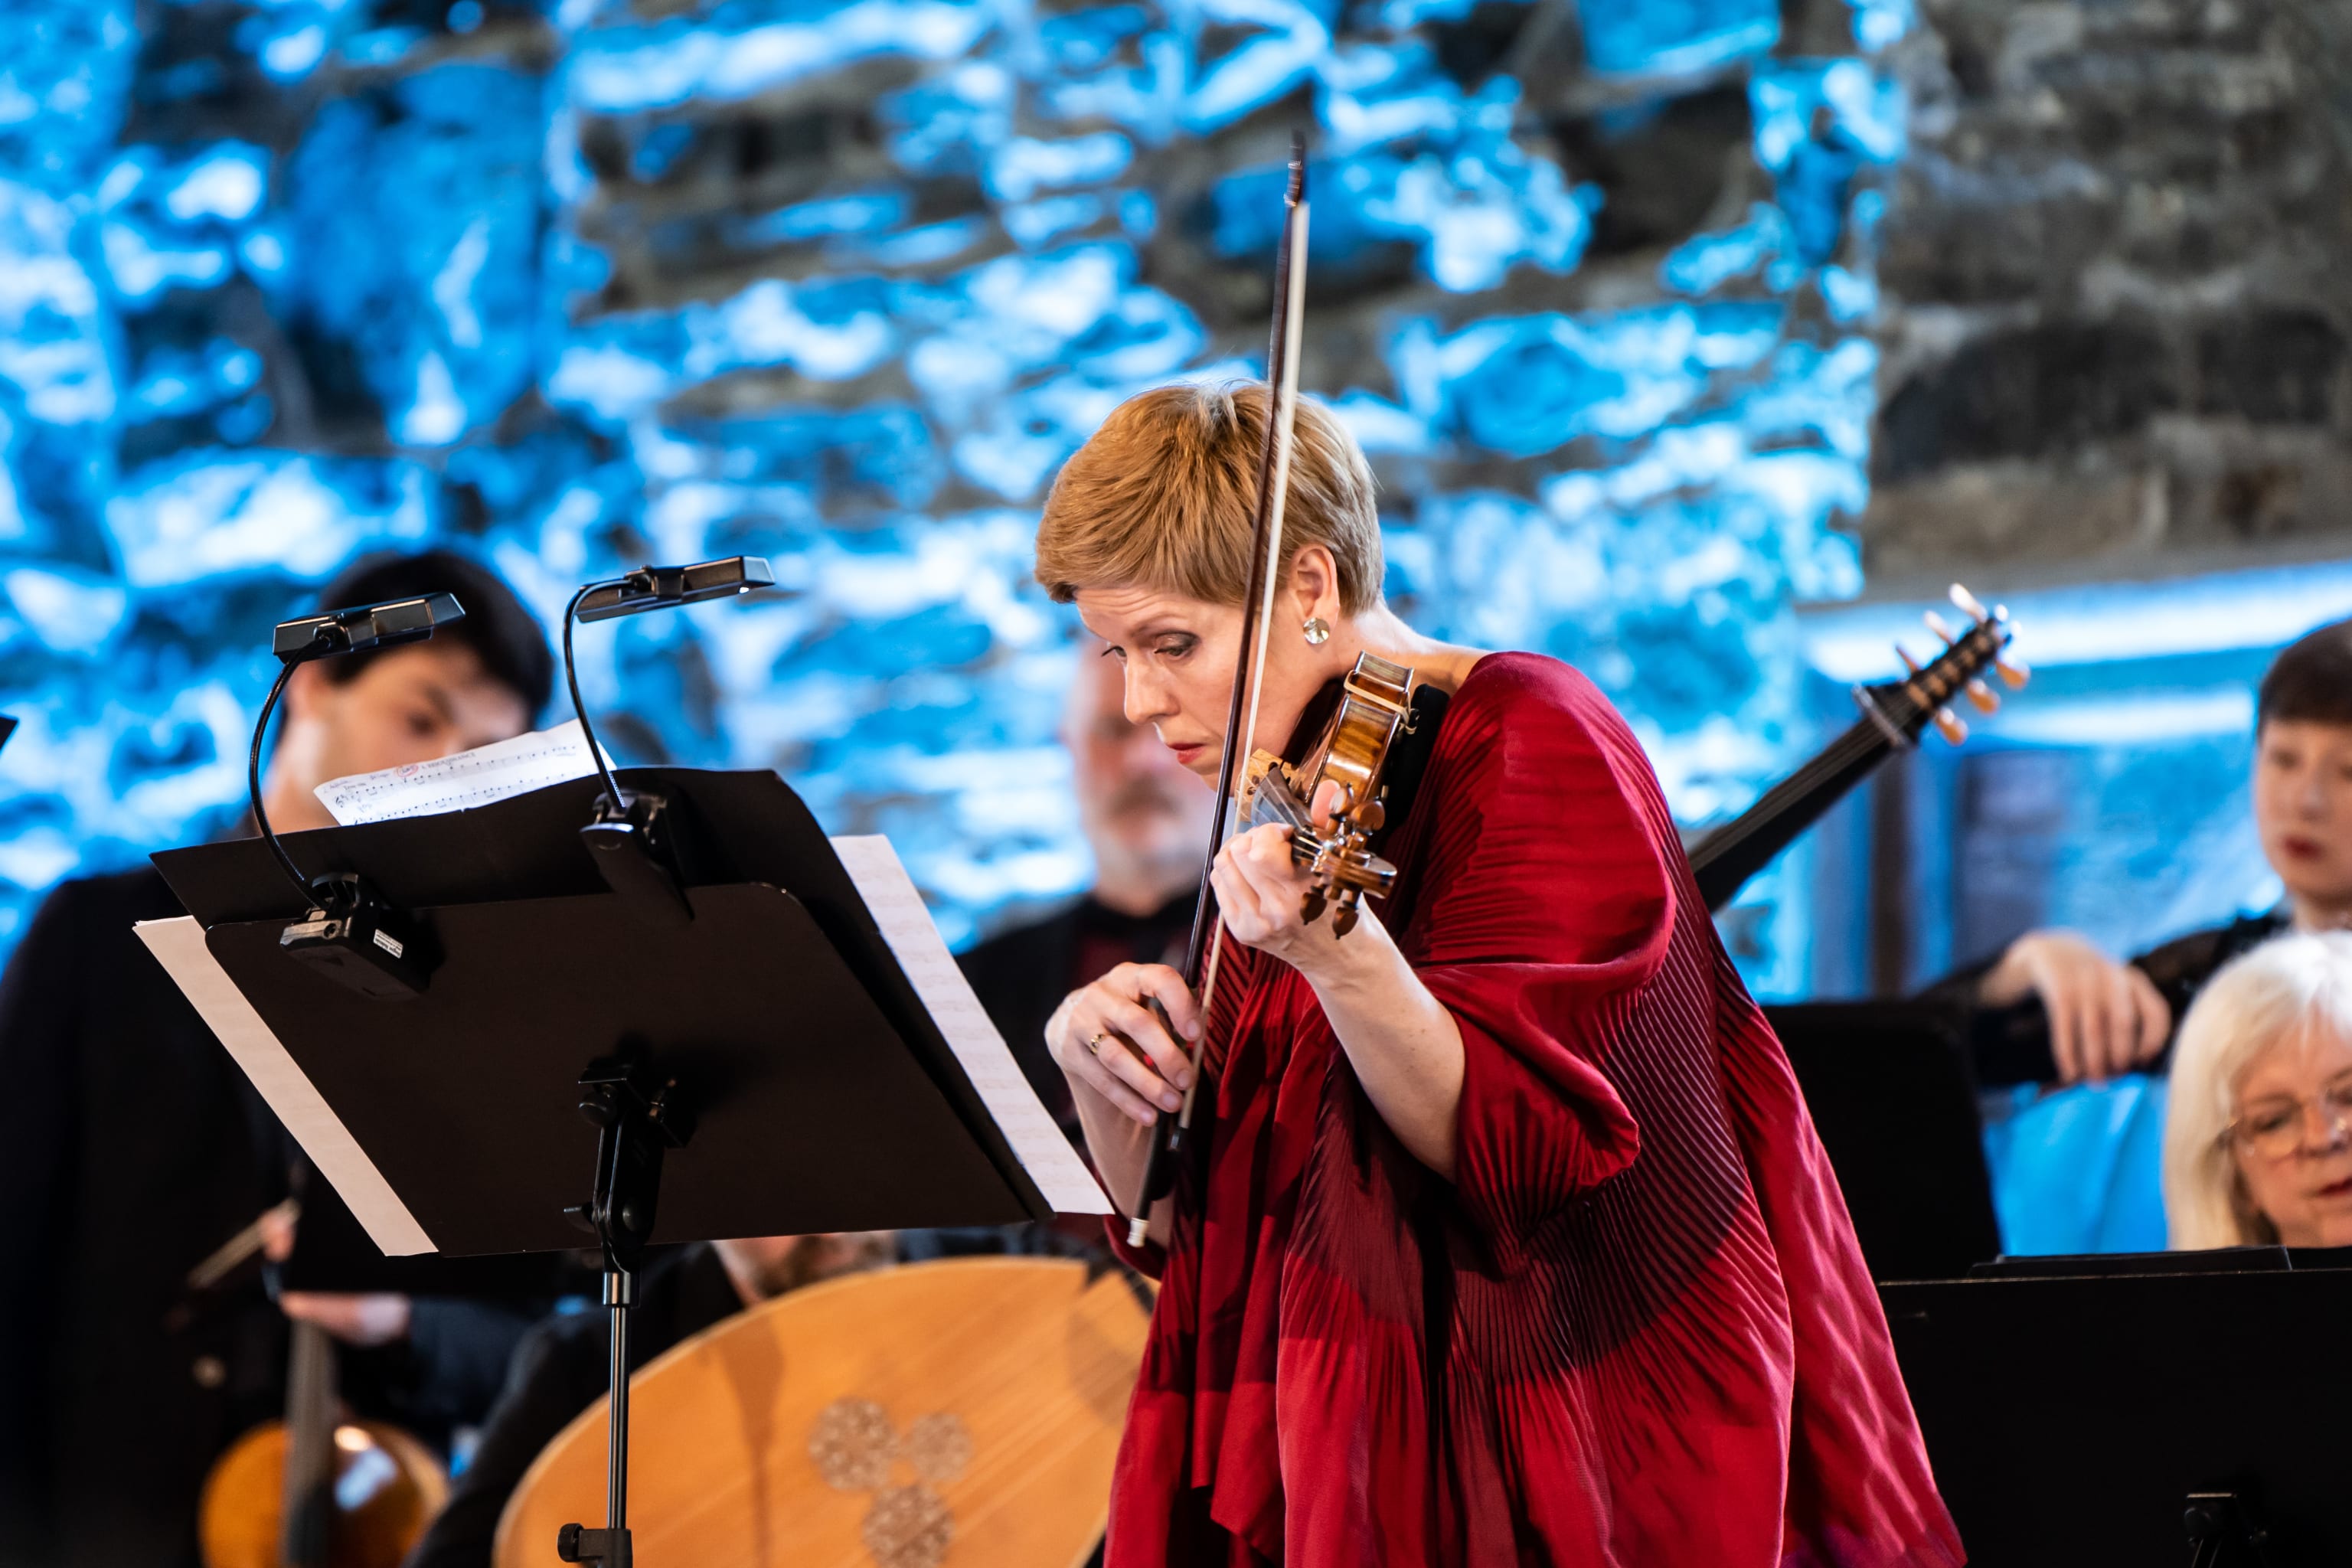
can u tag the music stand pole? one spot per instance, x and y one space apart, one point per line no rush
636 1120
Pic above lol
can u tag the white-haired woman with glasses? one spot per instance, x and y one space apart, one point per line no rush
2258 1137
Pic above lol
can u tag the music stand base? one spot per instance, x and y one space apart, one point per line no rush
610 1547
2222 1531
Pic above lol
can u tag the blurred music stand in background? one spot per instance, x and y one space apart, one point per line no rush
1896 1103
2121 1407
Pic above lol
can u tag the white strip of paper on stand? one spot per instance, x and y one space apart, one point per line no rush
179 946
906 925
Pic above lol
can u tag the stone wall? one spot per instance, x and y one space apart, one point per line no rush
581 283
2116 291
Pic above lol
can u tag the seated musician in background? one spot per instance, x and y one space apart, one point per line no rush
2258 1132
1147 821
1510 1240
562 1367
131 1146
2106 1018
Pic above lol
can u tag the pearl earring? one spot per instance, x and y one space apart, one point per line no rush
1318 630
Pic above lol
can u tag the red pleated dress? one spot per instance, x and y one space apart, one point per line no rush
1634 1330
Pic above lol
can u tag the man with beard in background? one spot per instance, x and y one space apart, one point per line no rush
1147 820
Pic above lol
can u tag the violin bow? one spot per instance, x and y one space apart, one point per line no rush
1171 1133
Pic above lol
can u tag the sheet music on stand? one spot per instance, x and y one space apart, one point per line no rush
468 779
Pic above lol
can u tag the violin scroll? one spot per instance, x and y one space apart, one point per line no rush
1352 754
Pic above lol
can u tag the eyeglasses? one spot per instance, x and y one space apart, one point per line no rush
2275 1128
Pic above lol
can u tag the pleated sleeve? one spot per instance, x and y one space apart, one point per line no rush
1543 907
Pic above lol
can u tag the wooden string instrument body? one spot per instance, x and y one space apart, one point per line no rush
315 1491
962 1414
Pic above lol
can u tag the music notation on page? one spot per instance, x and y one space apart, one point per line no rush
466 780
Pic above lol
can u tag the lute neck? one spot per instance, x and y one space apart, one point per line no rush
311 1403
1725 858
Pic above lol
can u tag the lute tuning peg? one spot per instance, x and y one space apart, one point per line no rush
1968 606
1938 624
1905 655
1949 725
2013 674
1986 699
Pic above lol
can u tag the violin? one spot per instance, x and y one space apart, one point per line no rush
316 1490
1351 754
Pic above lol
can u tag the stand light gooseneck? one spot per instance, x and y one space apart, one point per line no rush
633 837
350 935
638 1113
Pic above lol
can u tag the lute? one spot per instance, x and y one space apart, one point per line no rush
316 1490
1893 715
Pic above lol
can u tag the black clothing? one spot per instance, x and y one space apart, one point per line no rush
2012 1045
131 1147
561 1369
1021 976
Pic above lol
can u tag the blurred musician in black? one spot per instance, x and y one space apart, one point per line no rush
2055 990
131 1146
1146 818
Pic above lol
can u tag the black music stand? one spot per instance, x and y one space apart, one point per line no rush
585 1067
1891 1094
333 1252
2137 1407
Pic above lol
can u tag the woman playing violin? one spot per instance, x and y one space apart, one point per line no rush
1506 1237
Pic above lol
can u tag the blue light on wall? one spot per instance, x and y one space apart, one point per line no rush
842 283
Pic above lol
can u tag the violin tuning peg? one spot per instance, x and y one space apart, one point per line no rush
2013 674
1949 725
1968 604
1372 818
1905 655
1938 624
1311 909
1986 699
1344 921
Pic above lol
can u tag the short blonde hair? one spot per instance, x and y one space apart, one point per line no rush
1164 494
2258 1002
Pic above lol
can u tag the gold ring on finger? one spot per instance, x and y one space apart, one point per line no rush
1094 1042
